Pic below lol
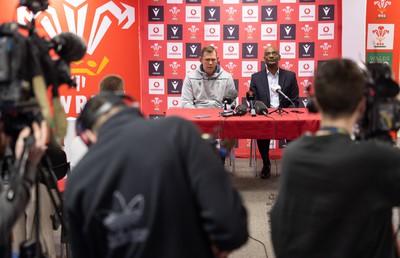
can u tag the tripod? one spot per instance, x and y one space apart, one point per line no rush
45 179
279 110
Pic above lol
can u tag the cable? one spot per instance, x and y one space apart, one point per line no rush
265 248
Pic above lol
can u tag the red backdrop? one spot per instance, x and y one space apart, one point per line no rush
307 32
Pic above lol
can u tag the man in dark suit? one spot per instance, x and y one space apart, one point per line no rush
261 85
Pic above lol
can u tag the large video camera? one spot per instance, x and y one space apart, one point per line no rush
381 119
27 70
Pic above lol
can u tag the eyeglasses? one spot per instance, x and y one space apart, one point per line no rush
274 53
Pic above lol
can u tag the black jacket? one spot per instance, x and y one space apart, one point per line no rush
288 82
152 188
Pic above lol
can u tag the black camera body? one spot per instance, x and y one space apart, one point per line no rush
381 118
23 58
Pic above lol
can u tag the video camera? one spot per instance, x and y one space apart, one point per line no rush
381 119
27 70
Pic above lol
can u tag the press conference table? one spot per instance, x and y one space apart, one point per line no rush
277 126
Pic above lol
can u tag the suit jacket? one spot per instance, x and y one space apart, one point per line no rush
288 82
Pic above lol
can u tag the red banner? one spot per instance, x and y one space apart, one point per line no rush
111 30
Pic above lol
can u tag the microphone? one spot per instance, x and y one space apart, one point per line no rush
250 99
241 110
261 108
230 96
68 46
277 89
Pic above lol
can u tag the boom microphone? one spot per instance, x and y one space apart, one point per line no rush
277 89
241 110
250 99
261 108
69 46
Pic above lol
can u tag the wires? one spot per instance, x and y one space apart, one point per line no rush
265 248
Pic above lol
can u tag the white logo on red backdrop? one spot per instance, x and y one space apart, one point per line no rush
157 102
156 49
174 66
307 29
231 13
382 4
288 12
287 65
325 47
249 29
306 86
231 67
193 31
174 11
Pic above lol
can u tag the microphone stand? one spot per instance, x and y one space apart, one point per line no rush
279 110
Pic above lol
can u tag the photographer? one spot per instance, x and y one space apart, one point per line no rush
149 188
11 209
336 195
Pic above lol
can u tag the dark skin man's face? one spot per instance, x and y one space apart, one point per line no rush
271 57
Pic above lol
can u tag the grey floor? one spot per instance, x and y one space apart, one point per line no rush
258 196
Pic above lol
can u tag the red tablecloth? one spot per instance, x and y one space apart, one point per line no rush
288 125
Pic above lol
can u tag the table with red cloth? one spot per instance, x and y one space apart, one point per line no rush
287 125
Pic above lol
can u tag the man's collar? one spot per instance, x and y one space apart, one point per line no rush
268 72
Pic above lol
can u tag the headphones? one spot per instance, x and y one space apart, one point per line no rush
98 106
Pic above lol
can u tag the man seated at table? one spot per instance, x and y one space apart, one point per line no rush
206 86
261 85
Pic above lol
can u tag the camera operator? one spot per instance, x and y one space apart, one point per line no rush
149 188
11 209
336 195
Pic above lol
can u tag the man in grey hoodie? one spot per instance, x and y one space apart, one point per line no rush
206 86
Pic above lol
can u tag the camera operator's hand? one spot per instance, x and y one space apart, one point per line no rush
38 148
